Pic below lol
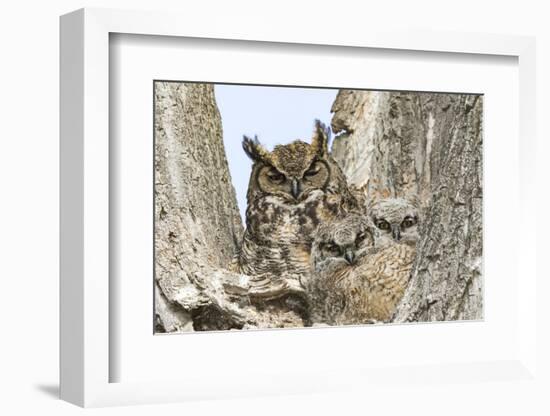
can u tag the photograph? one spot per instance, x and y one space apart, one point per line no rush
221 208
293 207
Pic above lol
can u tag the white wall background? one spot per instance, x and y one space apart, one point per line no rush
29 209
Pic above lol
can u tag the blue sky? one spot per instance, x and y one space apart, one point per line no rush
277 115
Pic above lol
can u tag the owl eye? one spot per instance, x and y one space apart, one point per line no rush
275 176
408 222
312 171
383 225
360 237
331 248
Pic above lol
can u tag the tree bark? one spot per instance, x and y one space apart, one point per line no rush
197 222
430 146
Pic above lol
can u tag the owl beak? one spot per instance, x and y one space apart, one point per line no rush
396 232
349 255
295 188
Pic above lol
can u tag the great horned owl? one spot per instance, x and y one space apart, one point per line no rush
340 244
396 220
291 190
353 281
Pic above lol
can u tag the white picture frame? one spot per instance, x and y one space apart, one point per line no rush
85 355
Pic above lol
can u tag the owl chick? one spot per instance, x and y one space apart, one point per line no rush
339 245
396 220
353 281
292 190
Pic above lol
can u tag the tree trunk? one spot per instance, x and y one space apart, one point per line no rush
197 222
427 145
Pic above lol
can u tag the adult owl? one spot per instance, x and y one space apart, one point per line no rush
292 190
354 280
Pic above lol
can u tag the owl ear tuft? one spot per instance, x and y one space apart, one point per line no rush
254 149
321 137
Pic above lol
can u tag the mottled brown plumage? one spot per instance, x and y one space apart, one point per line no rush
292 190
354 281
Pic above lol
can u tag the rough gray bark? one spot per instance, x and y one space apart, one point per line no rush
428 145
198 228
191 177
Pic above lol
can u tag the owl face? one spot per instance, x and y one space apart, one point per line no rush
341 243
293 171
396 220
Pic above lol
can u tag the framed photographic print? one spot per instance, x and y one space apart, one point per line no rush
321 231
251 206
